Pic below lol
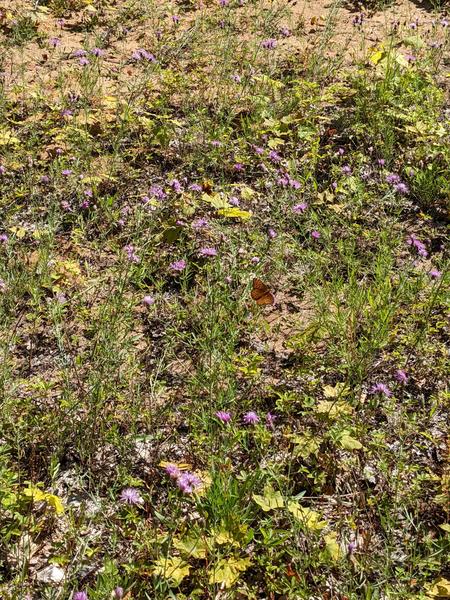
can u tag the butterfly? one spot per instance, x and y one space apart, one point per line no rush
261 293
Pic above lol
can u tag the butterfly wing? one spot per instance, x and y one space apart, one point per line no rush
261 293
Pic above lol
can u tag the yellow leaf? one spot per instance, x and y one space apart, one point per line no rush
20 232
333 408
331 545
35 493
270 500
173 568
181 466
7 138
247 192
348 442
377 56
308 517
305 444
445 527
55 502
222 537
216 200
227 571
192 546
330 391
439 589
235 213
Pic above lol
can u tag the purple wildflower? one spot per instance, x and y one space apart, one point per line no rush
401 376
3 238
296 185
176 186
54 42
131 496
2 170
285 32
156 191
255 260
195 187
418 245
80 596
83 62
175 19
434 273
207 252
251 418
269 44
238 167
172 471
300 208
97 52
381 162
189 482
66 172
131 254
118 593
178 265
401 188
236 78
393 178
148 300
223 416
79 53
271 233
341 151
270 420
346 169
315 234
199 223
381 388
258 150
216 143
234 201
274 156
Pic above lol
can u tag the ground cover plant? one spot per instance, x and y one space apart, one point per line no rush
224 300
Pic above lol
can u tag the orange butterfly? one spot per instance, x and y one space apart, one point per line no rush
261 293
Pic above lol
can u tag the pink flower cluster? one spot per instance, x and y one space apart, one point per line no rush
186 481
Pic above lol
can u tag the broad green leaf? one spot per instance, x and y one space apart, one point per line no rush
308 517
228 571
173 568
332 547
235 213
270 500
348 442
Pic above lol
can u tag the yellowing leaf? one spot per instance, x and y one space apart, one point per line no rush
55 502
348 442
270 500
173 568
333 408
308 517
332 547
222 537
247 192
305 444
181 466
439 589
8 139
192 546
235 213
216 200
377 56
275 142
20 232
228 570
445 527
330 391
